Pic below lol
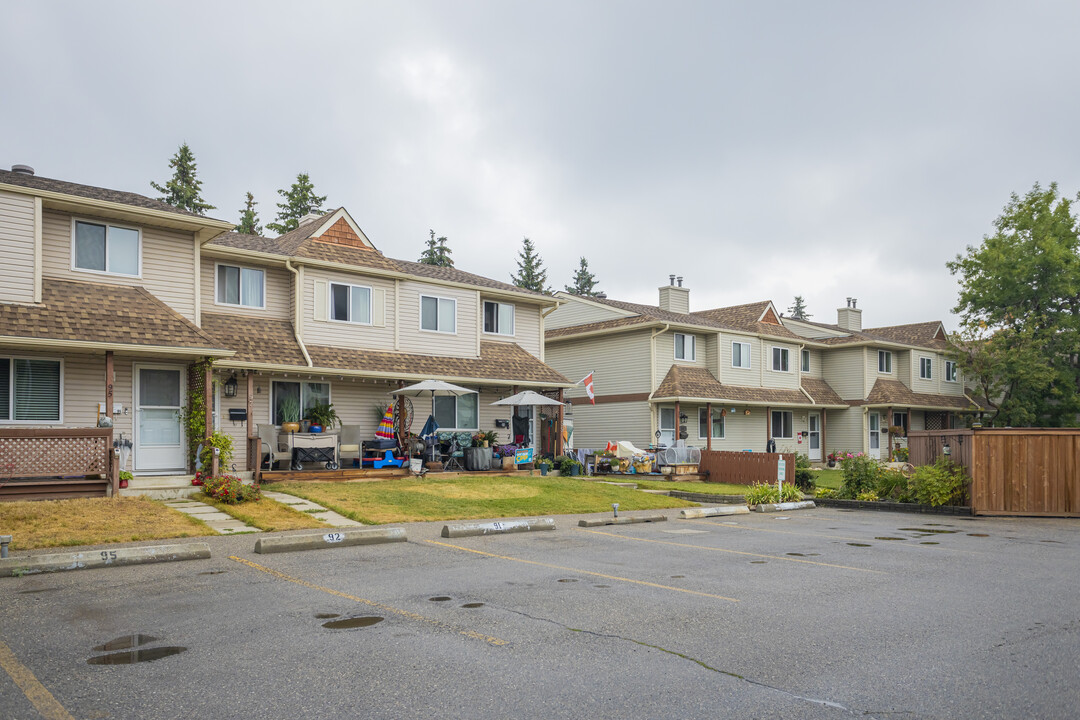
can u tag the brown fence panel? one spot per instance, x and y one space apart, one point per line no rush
56 462
1026 471
926 446
745 468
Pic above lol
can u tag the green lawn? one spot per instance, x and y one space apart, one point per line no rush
694 487
828 478
459 498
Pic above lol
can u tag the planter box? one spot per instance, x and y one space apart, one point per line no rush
894 506
508 463
684 469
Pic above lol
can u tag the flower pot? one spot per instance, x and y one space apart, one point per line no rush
315 429
543 470
575 471
508 462
290 427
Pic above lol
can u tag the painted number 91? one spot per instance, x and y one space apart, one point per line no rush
333 537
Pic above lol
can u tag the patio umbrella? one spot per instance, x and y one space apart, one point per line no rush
526 397
386 427
435 388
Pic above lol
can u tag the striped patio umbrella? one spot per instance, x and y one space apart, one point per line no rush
386 427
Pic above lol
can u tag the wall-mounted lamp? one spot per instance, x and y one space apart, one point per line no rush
746 411
683 417
230 387
945 449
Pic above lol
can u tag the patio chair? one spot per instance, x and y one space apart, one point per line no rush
272 450
350 439
455 453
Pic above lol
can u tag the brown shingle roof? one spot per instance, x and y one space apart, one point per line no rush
254 339
598 326
683 381
896 393
923 335
101 313
821 391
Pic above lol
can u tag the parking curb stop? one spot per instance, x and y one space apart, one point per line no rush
691 513
497 528
87 559
626 520
784 507
340 537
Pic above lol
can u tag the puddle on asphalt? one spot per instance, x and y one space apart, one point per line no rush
353 622
926 530
135 656
1058 542
803 554
886 537
758 562
978 535
326 616
568 580
439 598
859 544
929 542
676 577
473 605
601 586
41 590
126 641
212 572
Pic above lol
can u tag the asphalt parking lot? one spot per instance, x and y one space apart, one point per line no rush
818 613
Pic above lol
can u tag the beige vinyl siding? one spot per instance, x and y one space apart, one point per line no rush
916 420
747 377
902 366
951 388
775 379
597 425
665 354
918 384
815 363
872 373
277 281
350 335
168 261
414 340
16 248
576 312
526 327
843 369
261 415
712 354
845 430
619 363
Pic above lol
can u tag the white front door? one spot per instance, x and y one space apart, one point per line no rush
667 426
528 411
159 427
814 428
875 436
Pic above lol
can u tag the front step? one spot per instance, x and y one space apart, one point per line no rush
160 487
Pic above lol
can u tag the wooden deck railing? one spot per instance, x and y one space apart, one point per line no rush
745 468
57 462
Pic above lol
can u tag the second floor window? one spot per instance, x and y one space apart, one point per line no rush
740 355
498 318
806 361
106 248
884 361
950 371
438 314
926 368
241 286
780 359
350 303
684 347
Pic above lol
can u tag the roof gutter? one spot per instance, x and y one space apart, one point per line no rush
298 307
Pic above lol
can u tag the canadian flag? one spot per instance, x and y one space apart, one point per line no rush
589 388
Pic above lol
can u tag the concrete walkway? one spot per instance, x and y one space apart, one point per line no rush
214 518
316 511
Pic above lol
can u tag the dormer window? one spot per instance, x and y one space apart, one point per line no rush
105 248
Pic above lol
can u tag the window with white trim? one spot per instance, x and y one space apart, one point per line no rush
685 347
717 424
740 354
350 303
241 286
900 420
457 413
884 361
926 368
780 357
498 318
782 425
805 361
438 314
105 248
308 394
30 390
950 371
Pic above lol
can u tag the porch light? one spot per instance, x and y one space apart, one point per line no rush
230 387
945 449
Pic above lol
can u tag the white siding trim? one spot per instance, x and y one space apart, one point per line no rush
38 242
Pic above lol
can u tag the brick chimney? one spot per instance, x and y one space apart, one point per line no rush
850 317
674 298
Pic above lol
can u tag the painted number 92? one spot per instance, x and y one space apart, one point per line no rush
108 555
333 537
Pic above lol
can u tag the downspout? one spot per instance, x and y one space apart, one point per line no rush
298 308
801 388
654 422
543 343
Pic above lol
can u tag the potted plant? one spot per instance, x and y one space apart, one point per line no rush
289 413
545 465
322 416
568 466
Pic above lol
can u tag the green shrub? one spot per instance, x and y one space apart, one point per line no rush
229 489
860 474
900 454
804 478
824 492
125 475
893 485
762 494
224 444
790 493
939 484
868 496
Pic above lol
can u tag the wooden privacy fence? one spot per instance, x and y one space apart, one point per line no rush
1020 471
57 463
926 446
745 468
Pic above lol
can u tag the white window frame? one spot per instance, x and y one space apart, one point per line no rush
693 346
301 383
952 374
241 268
885 355
11 391
785 357
457 417
745 351
717 413
904 422
926 368
791 424
107 225
330 303
498 308
805 361
441 299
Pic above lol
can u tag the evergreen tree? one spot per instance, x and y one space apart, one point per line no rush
798 309
436 252
531 274
300 200
584 281
249 220
182 190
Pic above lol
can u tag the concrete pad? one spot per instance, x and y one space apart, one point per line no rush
782 507
57 562
691 513
624 520
321 541
497 528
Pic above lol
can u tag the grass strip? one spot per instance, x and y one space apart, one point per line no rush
266 514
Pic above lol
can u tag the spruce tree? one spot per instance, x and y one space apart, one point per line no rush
584 281
436 252
249 220
300 200
797 311
531 274
182 190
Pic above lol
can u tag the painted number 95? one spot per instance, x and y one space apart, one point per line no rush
108 555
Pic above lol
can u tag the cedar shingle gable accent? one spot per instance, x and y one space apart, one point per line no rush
698 383
341 233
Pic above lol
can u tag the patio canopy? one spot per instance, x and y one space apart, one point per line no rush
435 387
527 397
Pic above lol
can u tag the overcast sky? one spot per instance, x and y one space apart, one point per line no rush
762 150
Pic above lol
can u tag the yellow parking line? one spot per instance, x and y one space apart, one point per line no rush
385 608
35 692
583 572
733 552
